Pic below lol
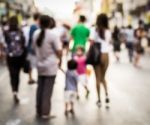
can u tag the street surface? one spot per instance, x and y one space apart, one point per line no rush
129 90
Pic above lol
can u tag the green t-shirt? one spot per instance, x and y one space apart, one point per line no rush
80 36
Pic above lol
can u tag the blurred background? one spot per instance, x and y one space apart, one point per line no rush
125 12
129 86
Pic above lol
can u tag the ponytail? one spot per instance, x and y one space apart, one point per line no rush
102 24
44 24
39 41
101 33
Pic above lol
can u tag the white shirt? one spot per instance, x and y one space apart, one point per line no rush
26 30
105 46
47 62
129 33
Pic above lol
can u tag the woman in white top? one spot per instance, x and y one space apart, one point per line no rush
102 35
48 50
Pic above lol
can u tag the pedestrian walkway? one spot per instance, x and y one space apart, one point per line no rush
129 91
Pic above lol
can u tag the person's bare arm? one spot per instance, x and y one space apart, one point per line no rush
59 55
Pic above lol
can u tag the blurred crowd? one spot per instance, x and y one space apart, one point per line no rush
42 44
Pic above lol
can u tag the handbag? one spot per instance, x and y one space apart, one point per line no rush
94 53
26 66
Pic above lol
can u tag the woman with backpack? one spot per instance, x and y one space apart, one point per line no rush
15 54
101 35
47 48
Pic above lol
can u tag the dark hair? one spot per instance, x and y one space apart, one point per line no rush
81 48
72 64
129 27
44 23
141 22
102 25
116 29
115 33
52 23
82 18
13 23
36 16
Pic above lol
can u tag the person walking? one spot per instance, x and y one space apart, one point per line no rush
48 50
71 82
116 43
80 58
101 35
130 42
80 34
31 53
140 33
15 54
65 37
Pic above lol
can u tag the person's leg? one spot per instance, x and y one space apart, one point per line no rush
31 80
47 94
30 75
67 102
31 57
39 95
129 48
86 86
137 59
66 108
84 82
78 96
72 100
98 77
72 107
15 83
105 59
67 49
14 71
115 54
87 91
118 56
130 54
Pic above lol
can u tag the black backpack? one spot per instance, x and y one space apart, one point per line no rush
15 43
93 55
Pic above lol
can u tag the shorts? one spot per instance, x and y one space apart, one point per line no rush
130 45
117 47
83 79
139 49
70 96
